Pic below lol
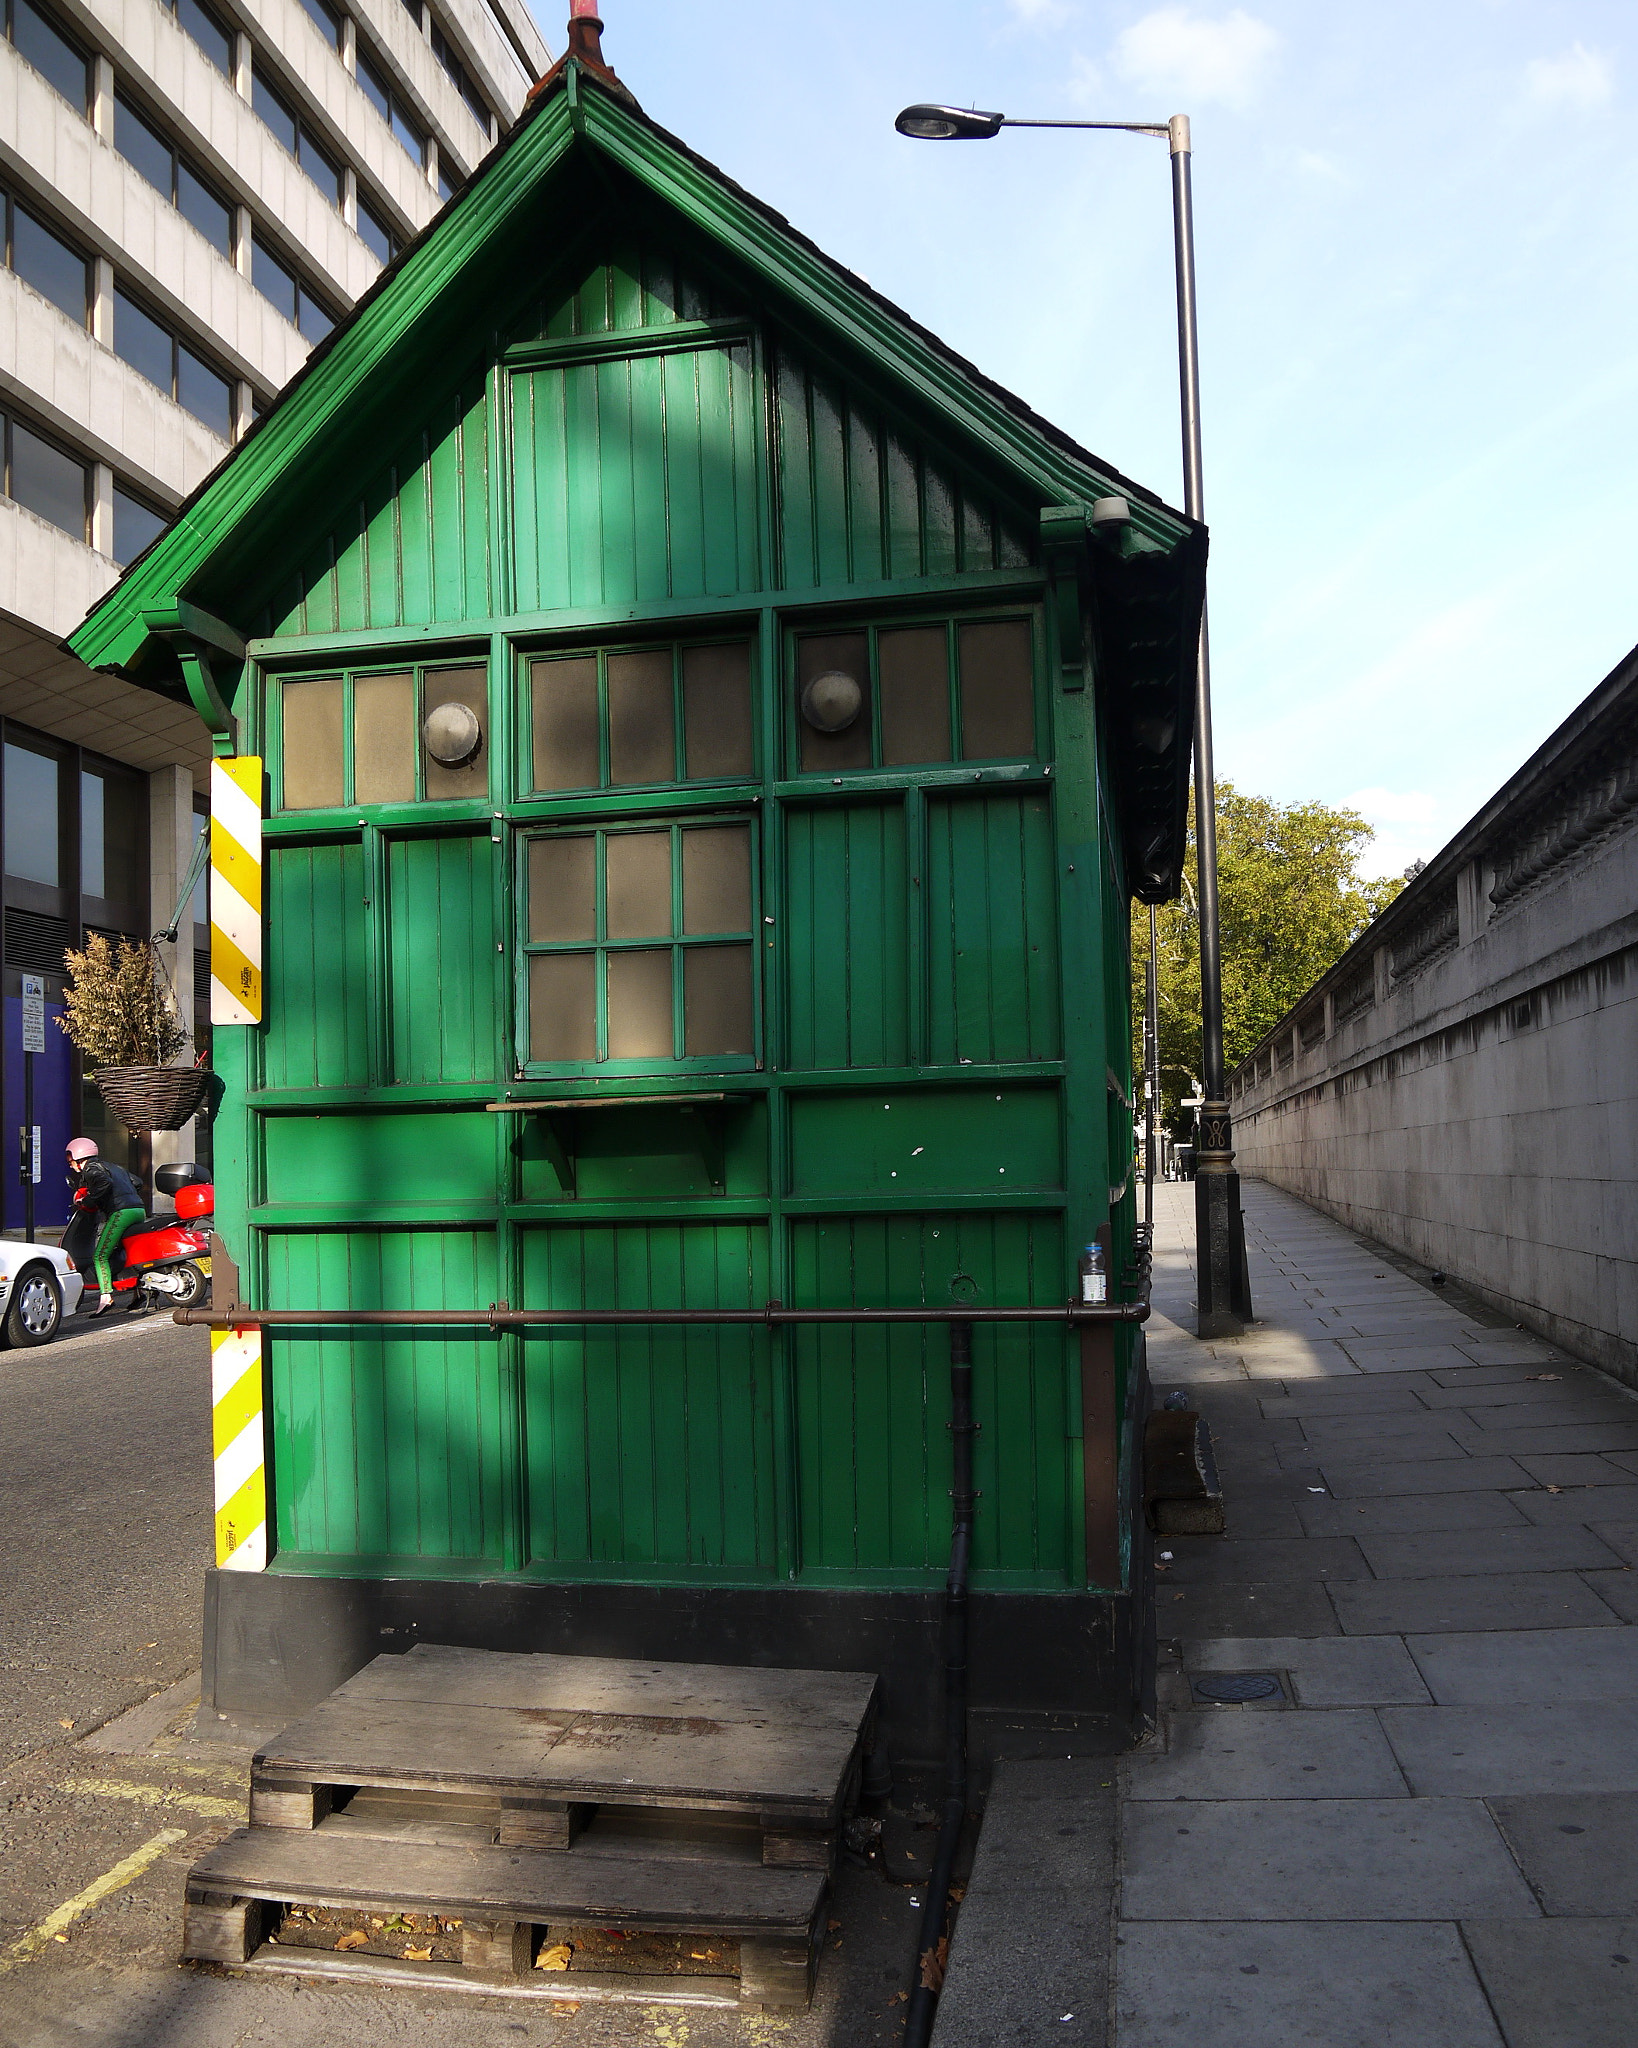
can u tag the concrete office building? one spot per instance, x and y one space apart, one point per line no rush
193 192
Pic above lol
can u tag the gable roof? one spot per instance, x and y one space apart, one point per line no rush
580 108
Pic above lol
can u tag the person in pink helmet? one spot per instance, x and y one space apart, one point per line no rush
107 1194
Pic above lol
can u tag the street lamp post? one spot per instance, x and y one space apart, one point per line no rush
1222 1287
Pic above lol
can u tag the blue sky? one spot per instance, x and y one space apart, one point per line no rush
1419 310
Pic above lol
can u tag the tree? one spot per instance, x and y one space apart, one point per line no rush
1291 901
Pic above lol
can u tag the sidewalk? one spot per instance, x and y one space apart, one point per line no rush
1429 1835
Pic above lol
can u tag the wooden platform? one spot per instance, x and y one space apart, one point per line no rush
524 1796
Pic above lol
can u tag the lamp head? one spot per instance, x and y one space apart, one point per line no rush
948 124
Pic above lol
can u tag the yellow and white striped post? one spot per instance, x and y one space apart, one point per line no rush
236 1429
236 890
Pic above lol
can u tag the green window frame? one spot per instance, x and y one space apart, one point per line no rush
354 739
638 946
597 718
937 691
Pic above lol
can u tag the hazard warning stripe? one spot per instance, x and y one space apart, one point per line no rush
236 1430
236 890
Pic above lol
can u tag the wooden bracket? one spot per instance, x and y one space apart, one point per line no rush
1064 532
197 639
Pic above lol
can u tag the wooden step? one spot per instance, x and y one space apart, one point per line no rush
554 1738
506 1899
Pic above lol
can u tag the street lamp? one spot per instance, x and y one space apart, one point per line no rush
1224 1294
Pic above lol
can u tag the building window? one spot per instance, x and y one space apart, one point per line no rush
207 31
446 184
35 36
326 20
392 109
33 816
281 287
299 139
46 480
639 944
136 526
41 258
624 718
114 845
461 79
376 236
360 739
164 359
165 168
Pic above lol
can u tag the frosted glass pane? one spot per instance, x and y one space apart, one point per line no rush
563 890
564 695
384 739
563 1006
997 692
717 1000
717 711
313 744
717 879
914 670
641 1025
642 744
639 885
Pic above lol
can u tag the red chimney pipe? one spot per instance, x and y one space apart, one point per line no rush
585 31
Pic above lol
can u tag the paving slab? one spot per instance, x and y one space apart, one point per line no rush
1297 1608
1360 1396
1407 1513
1549 1439
1589 1504
1526 1399
1619 1589
1482 1752
1507 1600
1252 1561
1252 1515
1575 1849
1364 1480
1238 1755
1552 1468
1375 1985
1319 1859
1396 1354
1496 1375
1621 1537
1529 1667
1395 1440
1328 1671
1472 1552
1561 1983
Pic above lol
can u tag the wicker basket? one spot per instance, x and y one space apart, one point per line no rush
153 1098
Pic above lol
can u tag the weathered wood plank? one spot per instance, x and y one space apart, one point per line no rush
218 1928
287 1803
504 1946
581 1987
778 1973
652 1893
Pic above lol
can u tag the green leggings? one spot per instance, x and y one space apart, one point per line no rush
108 1238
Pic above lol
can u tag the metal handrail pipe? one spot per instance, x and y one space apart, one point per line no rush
1074 1314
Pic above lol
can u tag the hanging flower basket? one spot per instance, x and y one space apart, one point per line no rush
153 1098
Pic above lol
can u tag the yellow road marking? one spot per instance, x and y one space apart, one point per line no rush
157 1795
29 1945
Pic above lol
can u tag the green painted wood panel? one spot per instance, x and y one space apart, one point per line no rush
652 1450
636 479
441 946
367 1161
861 500
391 1446
846 936
992 929
873 1406
643 280
911 1142
318 1028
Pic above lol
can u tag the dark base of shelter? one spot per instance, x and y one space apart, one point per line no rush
1051 1674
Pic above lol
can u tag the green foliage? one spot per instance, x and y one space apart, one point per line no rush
1290 902
119 1012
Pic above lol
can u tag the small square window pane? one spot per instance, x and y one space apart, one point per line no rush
31 816
642 1024
468 686
716 879
142 147
206 394
273 111
639 885
717 1014
313 744
847 654
564 715
273 280
384 739
563 889
717 711
135 526
997 690
208 33
201 208
913 669
563 1006
374 234
47 481
45 261
142 342
312 318
642 747
41 43
324 174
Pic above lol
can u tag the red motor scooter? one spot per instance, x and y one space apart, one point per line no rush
164 1259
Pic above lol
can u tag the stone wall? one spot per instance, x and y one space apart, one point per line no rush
1463 1084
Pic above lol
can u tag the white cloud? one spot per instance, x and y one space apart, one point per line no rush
1195 58
1580 78
1040 13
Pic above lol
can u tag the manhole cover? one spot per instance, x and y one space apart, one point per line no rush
1234 1688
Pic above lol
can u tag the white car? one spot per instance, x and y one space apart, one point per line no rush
38 1287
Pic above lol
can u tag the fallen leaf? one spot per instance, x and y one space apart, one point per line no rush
557 1957
832 1925
568 2005
59 1937
1543 1375
65 1724
1180 1596
1555 1489
418 1955
356 1939
899 1998
934 1962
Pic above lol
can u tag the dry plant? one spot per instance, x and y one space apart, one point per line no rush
119 1012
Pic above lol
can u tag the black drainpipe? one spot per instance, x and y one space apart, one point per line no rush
918 2024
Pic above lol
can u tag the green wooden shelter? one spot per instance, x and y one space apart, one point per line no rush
708 747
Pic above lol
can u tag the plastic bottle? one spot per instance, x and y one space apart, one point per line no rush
1094 1272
